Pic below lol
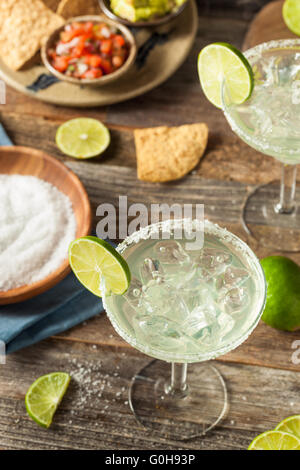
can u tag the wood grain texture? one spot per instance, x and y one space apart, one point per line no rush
95 415
268 25
29 161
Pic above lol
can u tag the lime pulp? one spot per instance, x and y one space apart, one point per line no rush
275 440
291 15
44 396
91 258
82 137
222 67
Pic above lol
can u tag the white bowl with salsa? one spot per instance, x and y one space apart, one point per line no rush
89 50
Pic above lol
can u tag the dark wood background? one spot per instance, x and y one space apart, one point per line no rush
263 380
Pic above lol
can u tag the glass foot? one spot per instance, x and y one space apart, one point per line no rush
195 411
264 219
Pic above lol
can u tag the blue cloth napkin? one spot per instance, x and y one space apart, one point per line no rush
65 305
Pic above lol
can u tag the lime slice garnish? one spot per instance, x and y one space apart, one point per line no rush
44 396
222 65
91 258
290 425
275 440
291 15
82 137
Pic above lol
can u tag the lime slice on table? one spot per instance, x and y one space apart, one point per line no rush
291 15
290 425
44 396
91 258
275 440
221 64
82 137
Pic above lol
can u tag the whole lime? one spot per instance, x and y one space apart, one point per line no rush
282 309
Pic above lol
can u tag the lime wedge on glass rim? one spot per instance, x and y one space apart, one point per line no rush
91 258
291 15
275 440
44 396
222 64
82 137
290 425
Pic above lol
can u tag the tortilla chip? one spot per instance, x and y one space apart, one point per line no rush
52 4
5 10
70 8
169 153
25 25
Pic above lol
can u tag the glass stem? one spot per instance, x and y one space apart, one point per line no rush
178 386
286 204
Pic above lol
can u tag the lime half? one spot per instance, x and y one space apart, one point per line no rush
291 15
219 65
290 425
275 440
91 258
44 396
82 137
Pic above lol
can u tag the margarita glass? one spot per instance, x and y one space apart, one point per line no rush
185 305
270 122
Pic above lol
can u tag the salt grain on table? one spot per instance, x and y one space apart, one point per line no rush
37 224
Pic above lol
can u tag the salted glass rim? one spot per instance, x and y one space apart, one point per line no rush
222 234
259 144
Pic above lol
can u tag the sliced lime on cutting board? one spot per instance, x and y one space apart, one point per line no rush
290 425
275 440
82 138
221 65
291 15
44 396
91 258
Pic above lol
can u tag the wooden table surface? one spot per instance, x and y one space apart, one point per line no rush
261 376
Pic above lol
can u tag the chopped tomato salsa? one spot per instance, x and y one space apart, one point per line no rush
88 50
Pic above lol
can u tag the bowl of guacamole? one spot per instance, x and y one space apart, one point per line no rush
142 12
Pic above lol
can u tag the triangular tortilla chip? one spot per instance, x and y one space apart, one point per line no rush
24 26
169 153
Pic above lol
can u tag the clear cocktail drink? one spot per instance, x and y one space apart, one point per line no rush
186 306
270 122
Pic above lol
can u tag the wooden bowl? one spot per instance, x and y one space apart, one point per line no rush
105 78
28 161
105 7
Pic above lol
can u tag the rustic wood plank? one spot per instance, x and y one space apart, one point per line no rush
226 157
95 415
25 105
39 132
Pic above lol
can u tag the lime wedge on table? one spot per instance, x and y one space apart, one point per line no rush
275 440
82 137
44 396
91 258
291 15
221 64
290 425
